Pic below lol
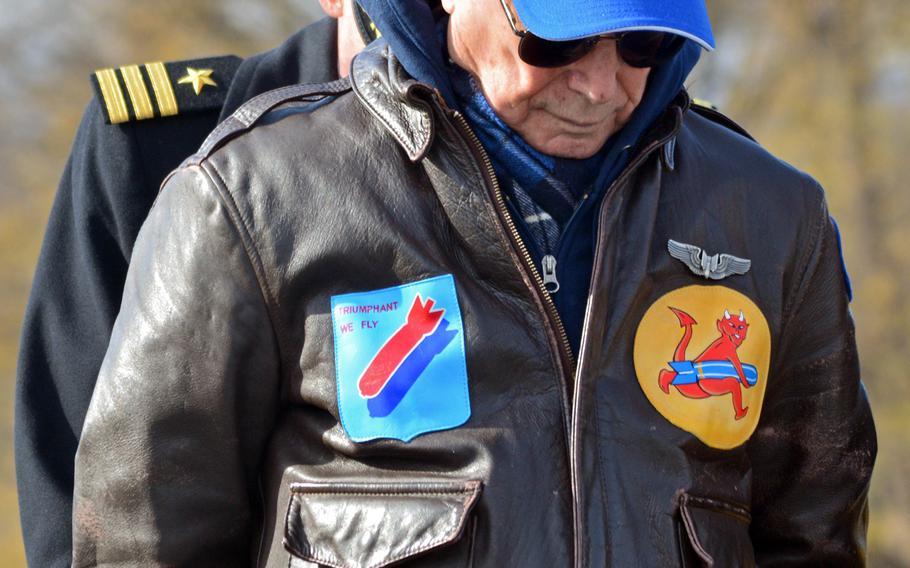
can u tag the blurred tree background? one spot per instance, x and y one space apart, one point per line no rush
823 83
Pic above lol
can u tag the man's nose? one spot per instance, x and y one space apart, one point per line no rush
596 75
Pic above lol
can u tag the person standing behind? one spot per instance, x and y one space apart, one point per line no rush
143 122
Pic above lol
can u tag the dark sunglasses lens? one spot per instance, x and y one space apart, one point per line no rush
541 52
638 49
649 49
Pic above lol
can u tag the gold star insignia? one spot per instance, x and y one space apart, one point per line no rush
199 78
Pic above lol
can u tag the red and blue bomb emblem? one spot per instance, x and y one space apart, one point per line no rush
400 361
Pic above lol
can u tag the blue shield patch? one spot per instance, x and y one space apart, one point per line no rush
400 361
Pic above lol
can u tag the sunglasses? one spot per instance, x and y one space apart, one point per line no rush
640 49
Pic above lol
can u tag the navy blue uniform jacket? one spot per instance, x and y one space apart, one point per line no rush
110 182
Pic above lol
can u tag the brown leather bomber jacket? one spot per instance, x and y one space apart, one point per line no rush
714 420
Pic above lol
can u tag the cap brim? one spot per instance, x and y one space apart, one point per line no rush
563 20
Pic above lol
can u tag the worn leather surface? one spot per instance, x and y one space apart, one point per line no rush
712 532
375 524
217 400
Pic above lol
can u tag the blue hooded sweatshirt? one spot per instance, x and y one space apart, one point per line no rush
410 28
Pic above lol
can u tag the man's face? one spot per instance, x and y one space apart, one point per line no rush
567 112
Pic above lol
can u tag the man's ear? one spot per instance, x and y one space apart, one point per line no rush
333 8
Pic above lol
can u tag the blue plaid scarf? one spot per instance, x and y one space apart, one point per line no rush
543 191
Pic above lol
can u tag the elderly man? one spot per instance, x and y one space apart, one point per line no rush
500 299
112 178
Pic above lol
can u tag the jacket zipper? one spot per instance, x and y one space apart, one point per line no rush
570 402
607 198
550 282
555 322
502 209
574 448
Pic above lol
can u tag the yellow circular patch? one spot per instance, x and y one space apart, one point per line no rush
701 357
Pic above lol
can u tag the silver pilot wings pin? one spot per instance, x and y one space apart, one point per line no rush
713 267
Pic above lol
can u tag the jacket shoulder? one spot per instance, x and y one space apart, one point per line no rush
252 112
710 112
133 93
742 166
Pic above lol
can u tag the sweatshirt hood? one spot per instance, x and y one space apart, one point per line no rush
410 28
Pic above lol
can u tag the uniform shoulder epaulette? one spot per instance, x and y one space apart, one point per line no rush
710 111
157 90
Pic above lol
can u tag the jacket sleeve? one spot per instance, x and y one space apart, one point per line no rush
167 466
813 451
111 179
100 203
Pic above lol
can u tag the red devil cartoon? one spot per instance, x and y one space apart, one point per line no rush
718 370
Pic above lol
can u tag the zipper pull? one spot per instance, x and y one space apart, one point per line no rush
549 274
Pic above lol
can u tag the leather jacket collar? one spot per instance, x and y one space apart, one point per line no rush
397 100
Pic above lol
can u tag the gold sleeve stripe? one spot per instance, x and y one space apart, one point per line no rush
113 96
139 95
164 90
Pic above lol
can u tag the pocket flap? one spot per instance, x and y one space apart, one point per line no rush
718 531
371 525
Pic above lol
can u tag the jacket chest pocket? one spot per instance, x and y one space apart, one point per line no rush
372 525
713 533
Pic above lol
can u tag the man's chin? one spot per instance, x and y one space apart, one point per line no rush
576 148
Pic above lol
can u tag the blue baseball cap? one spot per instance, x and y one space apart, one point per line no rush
561 20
